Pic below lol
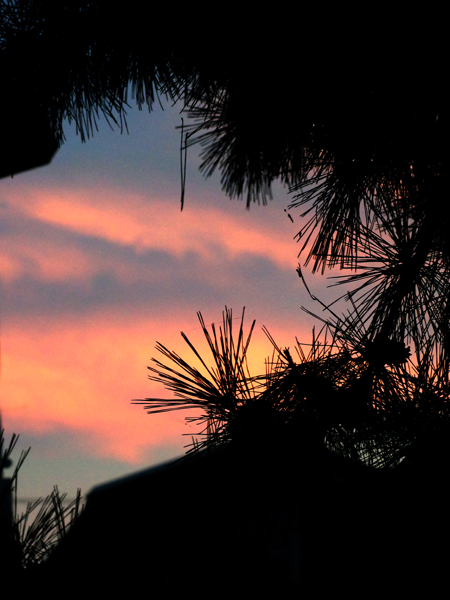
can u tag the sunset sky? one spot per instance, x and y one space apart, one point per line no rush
97 264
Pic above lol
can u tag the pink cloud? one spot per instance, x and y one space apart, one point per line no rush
157 224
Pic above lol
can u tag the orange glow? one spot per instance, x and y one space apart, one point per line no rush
83 377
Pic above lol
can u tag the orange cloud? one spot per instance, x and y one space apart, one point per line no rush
83 375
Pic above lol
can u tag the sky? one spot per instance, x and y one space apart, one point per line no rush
98 264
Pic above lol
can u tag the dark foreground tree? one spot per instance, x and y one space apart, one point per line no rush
350 438
360 136
313 478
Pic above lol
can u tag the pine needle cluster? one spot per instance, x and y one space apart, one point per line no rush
28 538
362 399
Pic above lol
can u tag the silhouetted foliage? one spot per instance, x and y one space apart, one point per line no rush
27 539
363 399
